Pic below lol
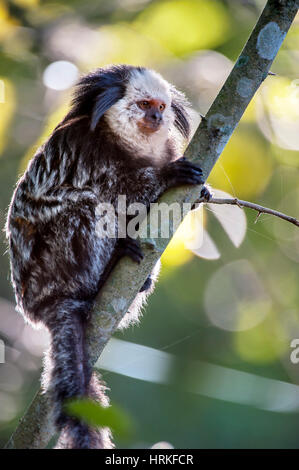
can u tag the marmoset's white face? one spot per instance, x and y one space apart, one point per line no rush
144 118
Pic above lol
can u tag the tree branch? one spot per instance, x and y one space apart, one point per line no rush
250 205
252 67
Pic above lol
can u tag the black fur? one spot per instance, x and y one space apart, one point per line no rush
181 118
106 99
99 89
58 262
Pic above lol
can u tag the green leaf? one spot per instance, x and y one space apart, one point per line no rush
96 415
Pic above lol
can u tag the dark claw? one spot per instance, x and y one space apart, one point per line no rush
183 172
186 164
130 247
187 171
206 194
187 180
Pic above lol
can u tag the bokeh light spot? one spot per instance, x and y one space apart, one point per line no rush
60 75
235 298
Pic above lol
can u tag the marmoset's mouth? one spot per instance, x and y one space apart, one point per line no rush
148 127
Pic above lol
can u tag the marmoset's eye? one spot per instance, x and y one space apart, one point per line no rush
144 104
162 107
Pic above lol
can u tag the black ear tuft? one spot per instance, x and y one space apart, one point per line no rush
181 122
103 102
97 91
180 105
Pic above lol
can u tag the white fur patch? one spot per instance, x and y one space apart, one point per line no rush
124 115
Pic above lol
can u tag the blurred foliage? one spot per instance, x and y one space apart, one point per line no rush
96 415
265 343
238 310
163 20
8 104
231 172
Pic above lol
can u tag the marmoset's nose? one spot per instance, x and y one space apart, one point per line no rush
156 116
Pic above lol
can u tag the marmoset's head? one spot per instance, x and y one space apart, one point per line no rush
139 106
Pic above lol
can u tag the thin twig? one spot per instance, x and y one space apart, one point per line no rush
250 205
